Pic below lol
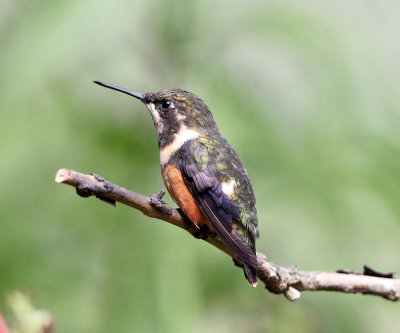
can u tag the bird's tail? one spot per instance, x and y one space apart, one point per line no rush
243 251
251 274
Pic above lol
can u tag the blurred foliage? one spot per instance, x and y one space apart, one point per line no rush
307 93
27 319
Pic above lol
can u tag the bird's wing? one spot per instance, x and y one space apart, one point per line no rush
219 210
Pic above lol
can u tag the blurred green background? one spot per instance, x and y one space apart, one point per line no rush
308 94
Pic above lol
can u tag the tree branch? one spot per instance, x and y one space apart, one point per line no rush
277 279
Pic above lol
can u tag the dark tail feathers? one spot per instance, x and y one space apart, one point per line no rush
251 274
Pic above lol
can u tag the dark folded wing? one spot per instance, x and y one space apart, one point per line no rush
219 210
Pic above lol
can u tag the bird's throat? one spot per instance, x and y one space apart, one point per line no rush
183 135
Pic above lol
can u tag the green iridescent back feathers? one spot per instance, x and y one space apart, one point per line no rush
216 154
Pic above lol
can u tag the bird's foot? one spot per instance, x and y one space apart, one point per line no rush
188 223
157 202
236 263
199 232
203 232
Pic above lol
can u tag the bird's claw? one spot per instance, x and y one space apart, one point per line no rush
157 202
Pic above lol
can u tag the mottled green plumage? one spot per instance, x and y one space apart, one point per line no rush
216 154
203 172
225 164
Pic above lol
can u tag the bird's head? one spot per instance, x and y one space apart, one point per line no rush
175 113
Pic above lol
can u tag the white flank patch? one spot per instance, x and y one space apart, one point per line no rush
181 137
229 187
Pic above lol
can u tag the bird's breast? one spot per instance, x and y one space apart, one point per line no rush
181 195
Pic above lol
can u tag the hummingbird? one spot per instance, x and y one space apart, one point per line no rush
202 172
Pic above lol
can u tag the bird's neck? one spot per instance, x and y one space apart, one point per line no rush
175 142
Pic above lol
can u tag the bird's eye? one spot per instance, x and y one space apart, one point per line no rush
165 105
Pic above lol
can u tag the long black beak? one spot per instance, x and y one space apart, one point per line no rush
135 94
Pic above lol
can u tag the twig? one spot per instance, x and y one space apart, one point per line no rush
277 279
